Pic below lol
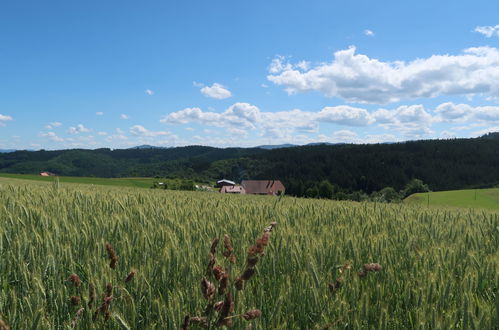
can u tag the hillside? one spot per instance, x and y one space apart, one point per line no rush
469 198
442 164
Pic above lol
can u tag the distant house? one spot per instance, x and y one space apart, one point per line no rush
224 182
263 187
46 173
232 190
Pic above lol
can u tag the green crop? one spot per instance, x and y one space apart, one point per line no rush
439 267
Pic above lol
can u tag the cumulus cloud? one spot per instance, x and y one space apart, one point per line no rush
488 31
78 129
4 118
216 91
358 78
463 113
53 125
52 136
99 113
344 136
149 92
408 121
124 116
413 121
345 115
139 130
279 124
369 33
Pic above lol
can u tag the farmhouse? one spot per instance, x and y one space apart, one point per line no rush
46 173
232 190
263 187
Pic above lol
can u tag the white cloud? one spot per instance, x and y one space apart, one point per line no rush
123 116
197 84
78 129
406 121
488 31
102 133
345 115
52 136
149 92
486 131
216 91
99 113
343 136
460 113
413 121
358 78
139 130
369 33
53 125
4 118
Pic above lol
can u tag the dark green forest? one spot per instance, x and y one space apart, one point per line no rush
305 171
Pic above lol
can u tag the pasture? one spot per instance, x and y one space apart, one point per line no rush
120 182
439 267
468 198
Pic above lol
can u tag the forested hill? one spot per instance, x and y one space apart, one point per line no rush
442 164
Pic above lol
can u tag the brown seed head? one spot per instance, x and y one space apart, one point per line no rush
372 267
228 246
109 290
224 282
207 288
218 305
214 243
75 279
202 321
227 309
91 294
211 263
218 272
333 287
112 255
362 273
251 260
252 314
247 274
239 283
75 300
130 276
75 318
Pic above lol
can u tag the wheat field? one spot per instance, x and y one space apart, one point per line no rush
439 267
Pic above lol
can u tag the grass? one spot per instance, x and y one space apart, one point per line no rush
473 198
121 182
440 267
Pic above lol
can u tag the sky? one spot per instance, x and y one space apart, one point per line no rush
117 74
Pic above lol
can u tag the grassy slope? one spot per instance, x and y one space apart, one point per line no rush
122 182
473 198
439 266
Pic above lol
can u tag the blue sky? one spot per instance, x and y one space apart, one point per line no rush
231 73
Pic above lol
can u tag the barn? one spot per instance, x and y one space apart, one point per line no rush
263 187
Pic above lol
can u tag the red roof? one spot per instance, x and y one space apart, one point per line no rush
263 187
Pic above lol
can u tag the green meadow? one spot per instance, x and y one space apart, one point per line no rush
471 198
121 182
435 269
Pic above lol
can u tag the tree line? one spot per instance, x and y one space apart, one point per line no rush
350 171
